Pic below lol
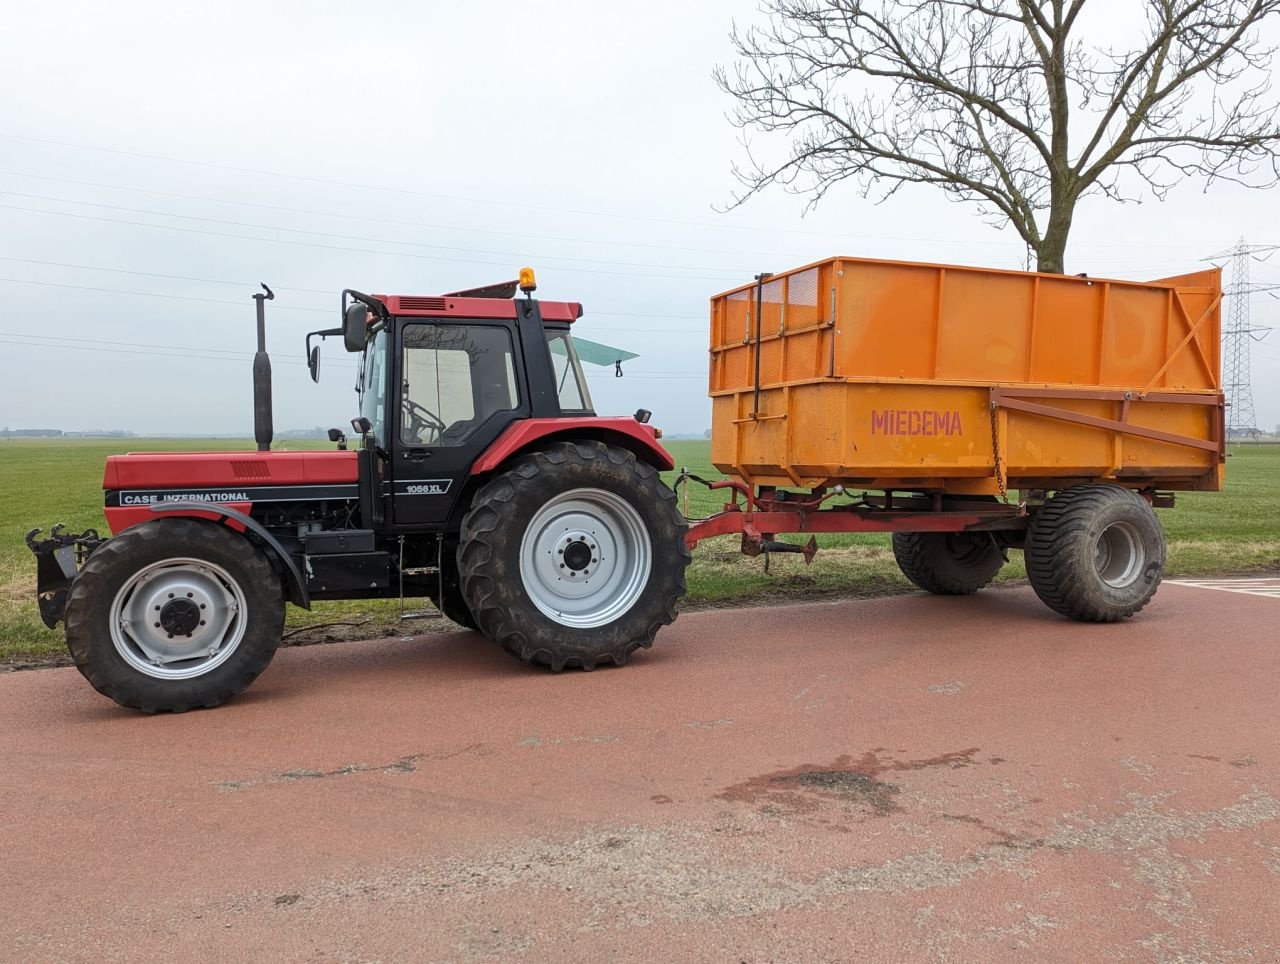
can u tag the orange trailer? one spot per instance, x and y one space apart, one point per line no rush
938 389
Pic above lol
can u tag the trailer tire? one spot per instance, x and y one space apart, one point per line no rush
534 534
948 563
216 592
1095 553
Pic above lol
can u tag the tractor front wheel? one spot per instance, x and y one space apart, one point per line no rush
174 614
574 556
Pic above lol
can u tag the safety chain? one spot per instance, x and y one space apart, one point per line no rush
995 451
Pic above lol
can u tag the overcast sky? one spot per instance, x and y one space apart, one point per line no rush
160 159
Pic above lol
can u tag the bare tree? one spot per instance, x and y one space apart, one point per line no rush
1007 103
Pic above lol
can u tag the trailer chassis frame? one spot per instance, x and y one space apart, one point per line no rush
763 514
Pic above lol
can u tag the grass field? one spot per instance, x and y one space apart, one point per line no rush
48 481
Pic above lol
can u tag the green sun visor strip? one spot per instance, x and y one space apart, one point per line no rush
595 353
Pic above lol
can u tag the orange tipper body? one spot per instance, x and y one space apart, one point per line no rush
893 375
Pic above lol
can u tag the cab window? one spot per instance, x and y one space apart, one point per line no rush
455 378
373 379
571 386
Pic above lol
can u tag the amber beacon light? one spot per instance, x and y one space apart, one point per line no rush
528 283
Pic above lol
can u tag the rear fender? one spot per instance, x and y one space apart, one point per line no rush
532 433
636 437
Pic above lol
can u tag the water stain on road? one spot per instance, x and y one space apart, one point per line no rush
805 788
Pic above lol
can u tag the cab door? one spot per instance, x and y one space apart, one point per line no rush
457 387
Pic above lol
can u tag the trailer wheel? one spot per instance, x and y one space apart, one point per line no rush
174 614
948 563
1095 553
574 556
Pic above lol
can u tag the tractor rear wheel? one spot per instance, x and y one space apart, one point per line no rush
451 603
574 556
1095 553
948 563
174 614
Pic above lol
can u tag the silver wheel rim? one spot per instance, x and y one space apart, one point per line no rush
585 558
178 618
1120 556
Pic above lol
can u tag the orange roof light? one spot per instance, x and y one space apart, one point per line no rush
528 284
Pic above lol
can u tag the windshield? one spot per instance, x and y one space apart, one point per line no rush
373 381
571 386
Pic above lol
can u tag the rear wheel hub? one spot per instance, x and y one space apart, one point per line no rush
585 558
577 555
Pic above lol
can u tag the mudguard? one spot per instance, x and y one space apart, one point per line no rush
298 594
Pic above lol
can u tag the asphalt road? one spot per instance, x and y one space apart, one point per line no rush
912 778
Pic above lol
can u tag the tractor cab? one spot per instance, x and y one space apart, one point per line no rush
442 379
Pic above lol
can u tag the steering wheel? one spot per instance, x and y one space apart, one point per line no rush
419 420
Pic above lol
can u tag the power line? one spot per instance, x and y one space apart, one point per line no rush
30 340
355 237
507 204
224 301
334 247
453 227
370 218
30 337
155 294
212 354
154 351
319 291
154 274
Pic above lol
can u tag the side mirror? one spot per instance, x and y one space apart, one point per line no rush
355 326
313 363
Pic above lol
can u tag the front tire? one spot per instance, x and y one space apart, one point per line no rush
574 556
1095 553
174 614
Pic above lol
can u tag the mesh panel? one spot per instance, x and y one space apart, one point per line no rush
804 288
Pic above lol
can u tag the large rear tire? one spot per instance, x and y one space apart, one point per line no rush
1095 553
451 603
174 614
948 563
574 556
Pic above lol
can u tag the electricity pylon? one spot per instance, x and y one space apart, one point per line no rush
1239 334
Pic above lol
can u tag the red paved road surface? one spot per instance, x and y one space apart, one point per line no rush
900 779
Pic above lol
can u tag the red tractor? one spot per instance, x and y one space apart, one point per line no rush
481 478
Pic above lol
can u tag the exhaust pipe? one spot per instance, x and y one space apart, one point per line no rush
262 427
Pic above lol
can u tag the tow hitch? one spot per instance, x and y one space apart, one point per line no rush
58 559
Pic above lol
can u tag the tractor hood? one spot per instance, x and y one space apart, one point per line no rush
200 472
137 483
